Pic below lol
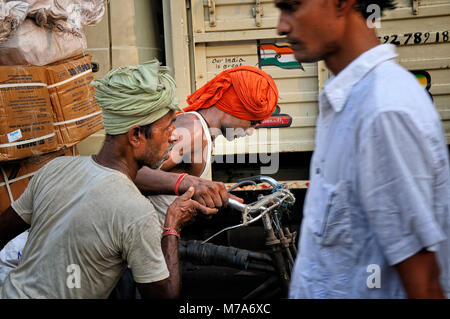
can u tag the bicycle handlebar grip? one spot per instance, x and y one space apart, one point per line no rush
236 205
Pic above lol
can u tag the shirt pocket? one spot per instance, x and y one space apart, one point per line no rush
331 222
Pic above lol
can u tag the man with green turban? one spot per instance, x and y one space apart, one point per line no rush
87 220
135 95
140 94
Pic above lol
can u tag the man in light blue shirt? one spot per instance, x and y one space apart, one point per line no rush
376 215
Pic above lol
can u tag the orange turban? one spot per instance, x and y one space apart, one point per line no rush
245 92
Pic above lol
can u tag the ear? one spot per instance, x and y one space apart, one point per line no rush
135 137
343 7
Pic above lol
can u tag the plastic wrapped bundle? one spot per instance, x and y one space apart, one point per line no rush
77 13
12 15
34 45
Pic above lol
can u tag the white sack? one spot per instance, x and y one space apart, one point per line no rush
77 13
12 15
36 45
10 255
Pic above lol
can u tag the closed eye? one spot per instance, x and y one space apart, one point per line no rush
171 123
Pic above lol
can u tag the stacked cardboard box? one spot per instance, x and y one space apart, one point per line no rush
43 109
26 116
76 114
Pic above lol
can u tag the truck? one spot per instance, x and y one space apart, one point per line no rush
197 39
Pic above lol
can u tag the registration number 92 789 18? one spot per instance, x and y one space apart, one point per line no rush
416 38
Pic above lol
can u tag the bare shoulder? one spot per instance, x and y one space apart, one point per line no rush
189 128
185 120
191 146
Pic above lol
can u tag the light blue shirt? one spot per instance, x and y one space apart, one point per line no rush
379 184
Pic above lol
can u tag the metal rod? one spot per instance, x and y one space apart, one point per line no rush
283 239
263 267
260 256
261 288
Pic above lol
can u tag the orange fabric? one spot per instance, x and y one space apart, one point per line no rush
245 92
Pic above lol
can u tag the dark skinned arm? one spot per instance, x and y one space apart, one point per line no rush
151 181
208 193
182 210
168 288
420 276
11 225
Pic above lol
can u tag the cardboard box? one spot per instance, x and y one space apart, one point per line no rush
15 175
76 112
26 119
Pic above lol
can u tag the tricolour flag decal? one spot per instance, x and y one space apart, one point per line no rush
281 56
424 78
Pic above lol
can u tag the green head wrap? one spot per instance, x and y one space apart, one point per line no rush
135 96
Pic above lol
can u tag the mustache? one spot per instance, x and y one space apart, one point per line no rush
171 145
161 162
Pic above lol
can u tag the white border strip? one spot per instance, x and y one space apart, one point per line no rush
13 85
70 79
27 141
78 119
10 181
8 189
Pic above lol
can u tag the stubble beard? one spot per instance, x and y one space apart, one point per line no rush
158 165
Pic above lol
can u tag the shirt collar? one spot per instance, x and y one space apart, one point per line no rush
337 89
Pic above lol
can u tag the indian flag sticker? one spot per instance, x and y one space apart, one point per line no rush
281 56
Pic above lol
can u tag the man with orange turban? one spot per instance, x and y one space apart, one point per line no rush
245 92
231 104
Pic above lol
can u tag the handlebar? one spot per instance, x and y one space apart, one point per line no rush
261 179
253 180
263 206
236 205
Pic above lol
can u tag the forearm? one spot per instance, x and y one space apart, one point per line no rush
150 181
168 288
181 211
430 290
208 193
169 245
420 276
